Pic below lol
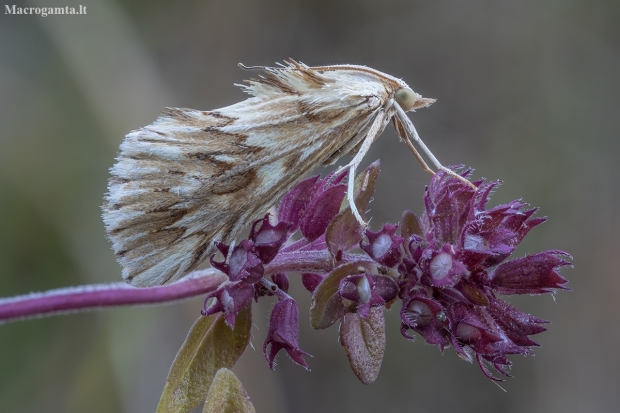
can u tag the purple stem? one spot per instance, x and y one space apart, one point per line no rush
89 297
308 261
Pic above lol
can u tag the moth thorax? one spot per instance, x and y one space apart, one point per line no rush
406 98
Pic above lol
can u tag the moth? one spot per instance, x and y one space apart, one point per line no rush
193 178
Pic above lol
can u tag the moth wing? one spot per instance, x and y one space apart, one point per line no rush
194 177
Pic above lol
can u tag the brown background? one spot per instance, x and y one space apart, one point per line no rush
528 92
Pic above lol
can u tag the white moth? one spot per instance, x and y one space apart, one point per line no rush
195 177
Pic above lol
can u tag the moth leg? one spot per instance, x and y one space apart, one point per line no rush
403 137
413 133
375 129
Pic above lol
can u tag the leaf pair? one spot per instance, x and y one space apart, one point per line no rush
200 367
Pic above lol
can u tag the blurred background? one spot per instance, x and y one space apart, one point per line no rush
528 92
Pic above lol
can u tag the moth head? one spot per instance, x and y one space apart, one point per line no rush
408 100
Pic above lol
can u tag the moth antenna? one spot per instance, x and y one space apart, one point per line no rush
244 67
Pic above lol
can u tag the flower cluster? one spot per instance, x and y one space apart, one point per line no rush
448 268
454 268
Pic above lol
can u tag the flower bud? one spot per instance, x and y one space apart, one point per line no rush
284 333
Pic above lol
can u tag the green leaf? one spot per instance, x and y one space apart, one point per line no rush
327 306
363 339
410 225
344 232
210 345
227 395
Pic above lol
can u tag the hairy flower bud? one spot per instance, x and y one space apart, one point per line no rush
284 333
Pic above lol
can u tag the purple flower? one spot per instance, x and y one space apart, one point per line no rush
383 246
367 290
534 274
268 239
284 332
452 274
427 317
243 265
229 299
312 204
440 267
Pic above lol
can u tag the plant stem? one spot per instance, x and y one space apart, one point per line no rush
90 297
308 261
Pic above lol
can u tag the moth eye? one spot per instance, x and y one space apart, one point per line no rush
406 98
